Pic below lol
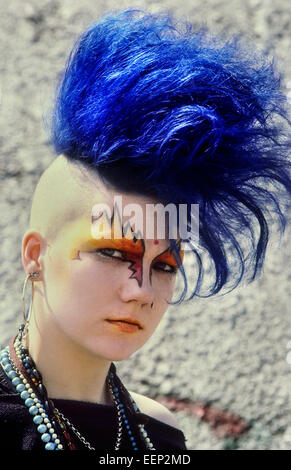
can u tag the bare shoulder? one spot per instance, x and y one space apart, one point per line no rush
152 408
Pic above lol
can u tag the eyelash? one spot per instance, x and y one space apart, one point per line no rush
101 251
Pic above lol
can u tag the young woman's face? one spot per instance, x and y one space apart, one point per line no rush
90 283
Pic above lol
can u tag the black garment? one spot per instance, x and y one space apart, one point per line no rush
97 423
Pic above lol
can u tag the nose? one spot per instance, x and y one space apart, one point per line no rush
139 290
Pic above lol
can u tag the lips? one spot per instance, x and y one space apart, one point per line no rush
125 320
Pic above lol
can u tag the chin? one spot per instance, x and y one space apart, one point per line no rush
112 351
117 356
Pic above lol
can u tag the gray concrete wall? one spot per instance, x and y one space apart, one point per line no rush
231 351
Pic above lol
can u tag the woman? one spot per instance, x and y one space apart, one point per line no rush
152 113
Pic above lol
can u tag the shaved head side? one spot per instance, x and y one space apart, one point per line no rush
66 190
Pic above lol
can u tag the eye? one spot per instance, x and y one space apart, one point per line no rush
110 253
166 268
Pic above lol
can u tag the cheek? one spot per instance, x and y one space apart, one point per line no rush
163 293
56 275
71 284
164 286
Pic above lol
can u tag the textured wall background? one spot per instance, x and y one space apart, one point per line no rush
229 352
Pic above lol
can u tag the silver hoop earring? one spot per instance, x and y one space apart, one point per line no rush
26 313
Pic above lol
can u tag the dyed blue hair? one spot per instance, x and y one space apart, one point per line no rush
160 108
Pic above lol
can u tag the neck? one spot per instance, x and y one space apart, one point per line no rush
68 371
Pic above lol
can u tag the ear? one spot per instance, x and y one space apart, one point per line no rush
32 248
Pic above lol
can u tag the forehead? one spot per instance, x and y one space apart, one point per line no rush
81 233
119 214
65 204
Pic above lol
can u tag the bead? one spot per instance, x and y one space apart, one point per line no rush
37 419
33 410
36 374
16 381
51 430
29 361
60 447
47 421
54 435
24 394
41 389
57 441
50 446
48 406
20 387
45 437
4 361
42 428
29 402
7 367
11 374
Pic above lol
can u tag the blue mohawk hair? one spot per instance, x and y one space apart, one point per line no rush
163 109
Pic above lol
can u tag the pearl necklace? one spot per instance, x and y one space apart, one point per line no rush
26 379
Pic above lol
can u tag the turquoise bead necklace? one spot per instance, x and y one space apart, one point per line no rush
51 423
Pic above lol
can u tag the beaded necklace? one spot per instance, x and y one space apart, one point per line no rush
51 423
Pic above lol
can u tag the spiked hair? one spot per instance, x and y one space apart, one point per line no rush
161 108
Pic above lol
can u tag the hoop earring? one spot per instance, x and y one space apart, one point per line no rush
26 314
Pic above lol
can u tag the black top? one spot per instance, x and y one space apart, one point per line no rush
97 423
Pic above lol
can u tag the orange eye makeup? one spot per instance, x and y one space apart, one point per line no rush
168 258
133 252
79 238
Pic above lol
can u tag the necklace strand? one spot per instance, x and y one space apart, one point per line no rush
20 348
27 381
82 438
